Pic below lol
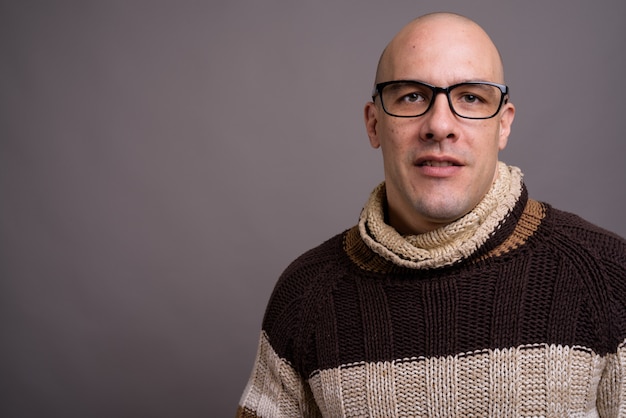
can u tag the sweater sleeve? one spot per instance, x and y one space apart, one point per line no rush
601 259
275 389
612 388
278 386
611 400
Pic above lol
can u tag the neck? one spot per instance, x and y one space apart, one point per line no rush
405 219
448 242
414 227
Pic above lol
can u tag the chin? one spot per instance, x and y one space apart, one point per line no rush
442 212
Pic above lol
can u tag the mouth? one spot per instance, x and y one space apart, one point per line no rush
437 162
439 167
431 163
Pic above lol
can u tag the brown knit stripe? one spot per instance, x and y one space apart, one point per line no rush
529 222
245 413
376 320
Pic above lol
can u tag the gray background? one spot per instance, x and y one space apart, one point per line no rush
162 162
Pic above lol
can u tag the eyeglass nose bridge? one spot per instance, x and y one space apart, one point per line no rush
436 91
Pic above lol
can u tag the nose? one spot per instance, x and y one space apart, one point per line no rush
439 122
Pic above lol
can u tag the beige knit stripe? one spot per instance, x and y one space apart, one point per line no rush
443 389
380 389
538 380
474 369
558 366
503 371
621 381
332 396
612 402
274 388
413 393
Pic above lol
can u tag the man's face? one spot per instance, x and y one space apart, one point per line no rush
438 166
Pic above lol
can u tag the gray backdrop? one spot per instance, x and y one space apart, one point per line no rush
162 162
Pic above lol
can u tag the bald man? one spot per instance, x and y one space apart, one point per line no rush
455 294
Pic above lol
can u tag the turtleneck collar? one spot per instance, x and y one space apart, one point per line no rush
450 243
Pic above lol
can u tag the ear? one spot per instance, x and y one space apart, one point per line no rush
506 120
371 123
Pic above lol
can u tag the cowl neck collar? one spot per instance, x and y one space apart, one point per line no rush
450 243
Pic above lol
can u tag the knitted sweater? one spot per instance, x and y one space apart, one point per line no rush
517 309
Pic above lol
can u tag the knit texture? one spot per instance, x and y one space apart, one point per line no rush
528 320
450 243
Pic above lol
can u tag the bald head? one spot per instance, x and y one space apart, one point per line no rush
440 34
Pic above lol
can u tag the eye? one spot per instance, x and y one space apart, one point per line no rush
406 97
475 94
414 97
470 98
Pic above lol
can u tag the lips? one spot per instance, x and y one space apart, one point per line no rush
437 164
430 161
438 167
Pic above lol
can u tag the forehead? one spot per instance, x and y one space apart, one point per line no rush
442 53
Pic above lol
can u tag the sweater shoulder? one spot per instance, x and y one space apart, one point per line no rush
595 250
308 265
580 232
298 292
597 257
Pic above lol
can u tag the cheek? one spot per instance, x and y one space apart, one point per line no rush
398 139
490 135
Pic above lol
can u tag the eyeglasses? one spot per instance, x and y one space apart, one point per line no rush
471 100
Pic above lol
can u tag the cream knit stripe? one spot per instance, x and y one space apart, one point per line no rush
612 402
274 388
450 243
536 380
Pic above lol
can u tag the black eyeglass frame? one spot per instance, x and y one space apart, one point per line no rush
378 89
